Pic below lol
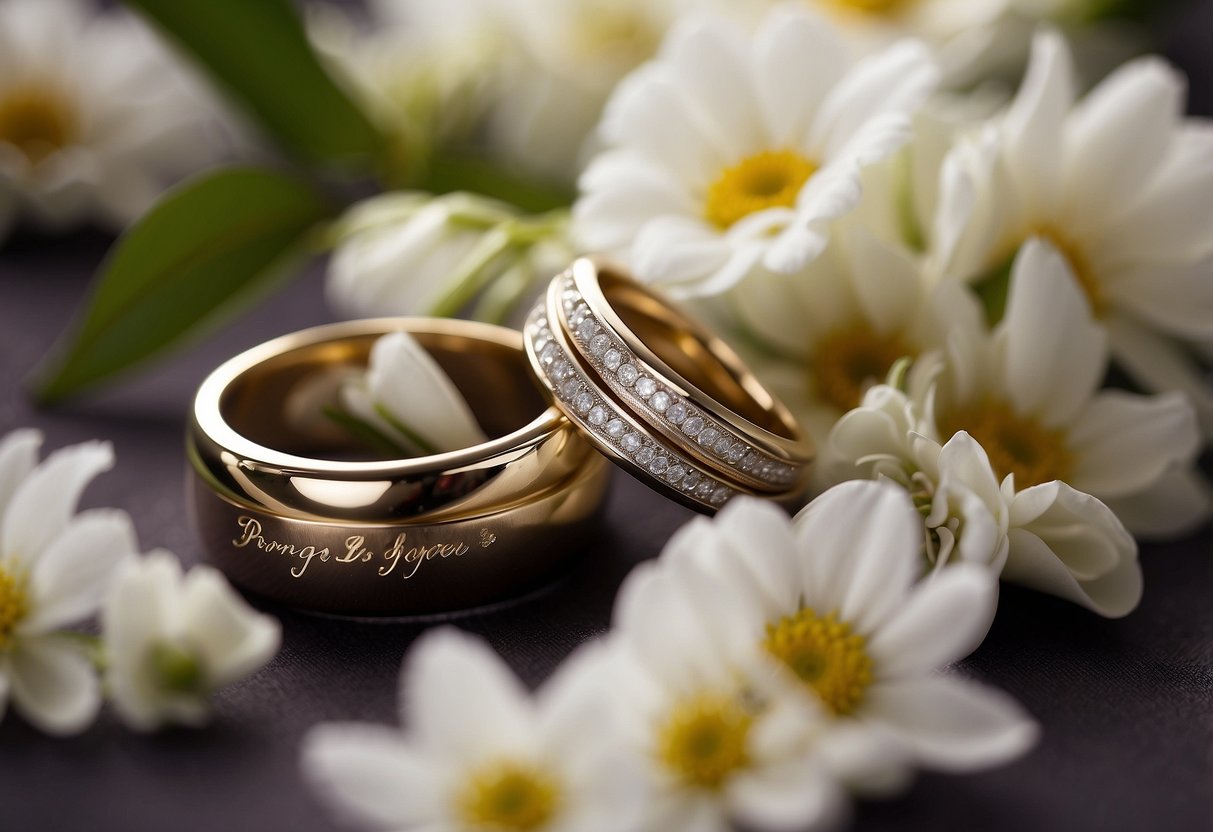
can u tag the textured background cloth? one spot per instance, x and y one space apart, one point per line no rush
1126 706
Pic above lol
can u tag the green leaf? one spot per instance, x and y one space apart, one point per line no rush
207 245
994 288
447 172
258 51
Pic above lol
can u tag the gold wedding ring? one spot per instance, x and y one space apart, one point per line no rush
659 394
290 508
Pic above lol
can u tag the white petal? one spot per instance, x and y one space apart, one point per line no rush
1033 127
1157 364
411 385
1118 135
1122 443
791 797
76 570
895 81
371 775
708 58
1071 545
798 59
1174 506
43 504
54 686
858 546
943 621
676 250
1171 217
886 279
620 193
234 639
462 701
1054 352
867 758
760 536
1175 297
18 457
952 724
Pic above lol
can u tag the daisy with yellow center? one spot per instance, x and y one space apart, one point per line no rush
820 338
1120 183
716 167
1029 393
479 752
55 567
96 118
831 599
723 738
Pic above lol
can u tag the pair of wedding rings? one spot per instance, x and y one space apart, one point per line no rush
290 510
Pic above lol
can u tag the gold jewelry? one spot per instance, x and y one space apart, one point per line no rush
289 509
659 394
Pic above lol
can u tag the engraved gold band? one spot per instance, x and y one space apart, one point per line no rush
659 394
288 507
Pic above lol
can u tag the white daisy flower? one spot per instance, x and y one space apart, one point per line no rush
479 753
723 738
173 639
832 598
1029 394
1049 537
95 116
409 253
729 154
406 396
826 334
1120 182
55 566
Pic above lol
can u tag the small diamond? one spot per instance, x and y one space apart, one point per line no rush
767 468
587 328
646 387
692 426
628 375
708 436
750 460
612 359
660 401
570 298
722 446
705 488
562 370
645 455
737 452
615 427
720 495
599 344
579 314
549 354
659 465
598 415
677 413
675 473
583 403
631 442
570 388
691 478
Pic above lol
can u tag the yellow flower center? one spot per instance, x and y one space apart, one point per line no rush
1080 266
37 120
874 7
770 179
705 740
825 655
1016 444
14 606
845 363
510 796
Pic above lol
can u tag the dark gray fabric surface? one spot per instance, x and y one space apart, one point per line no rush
1126 706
